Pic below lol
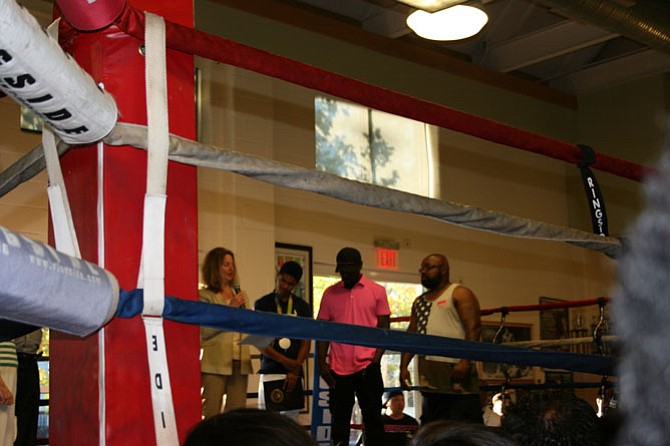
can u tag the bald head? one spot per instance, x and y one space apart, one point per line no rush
438 258
434 271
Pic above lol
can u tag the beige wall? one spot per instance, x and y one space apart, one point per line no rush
24 209
234 211
631 122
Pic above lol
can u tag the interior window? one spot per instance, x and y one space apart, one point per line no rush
374 147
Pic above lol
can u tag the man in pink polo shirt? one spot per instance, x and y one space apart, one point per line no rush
353 370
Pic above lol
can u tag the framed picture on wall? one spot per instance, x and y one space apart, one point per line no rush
494 372
285 252
557 377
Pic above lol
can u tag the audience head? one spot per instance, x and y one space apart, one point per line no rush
395 401
449 433
553 419
641 310
219 269
248 427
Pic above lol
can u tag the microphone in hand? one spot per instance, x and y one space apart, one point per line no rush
237 289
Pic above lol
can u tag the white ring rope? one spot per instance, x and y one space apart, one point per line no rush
558 342
294 177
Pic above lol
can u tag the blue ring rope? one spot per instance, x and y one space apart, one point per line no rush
277 325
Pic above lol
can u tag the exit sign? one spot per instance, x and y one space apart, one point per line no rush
386 258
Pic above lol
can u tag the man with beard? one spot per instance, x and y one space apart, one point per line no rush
352 370
449 386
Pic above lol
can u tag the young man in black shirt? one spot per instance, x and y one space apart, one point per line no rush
283 359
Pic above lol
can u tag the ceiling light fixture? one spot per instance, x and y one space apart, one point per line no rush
431 5
455 23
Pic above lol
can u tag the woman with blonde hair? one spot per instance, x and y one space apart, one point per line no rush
225 365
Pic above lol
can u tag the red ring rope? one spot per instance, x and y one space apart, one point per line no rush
551 306
226 51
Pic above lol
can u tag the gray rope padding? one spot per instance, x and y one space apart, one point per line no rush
294 177
27 167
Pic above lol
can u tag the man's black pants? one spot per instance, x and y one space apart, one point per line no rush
368 386
27 399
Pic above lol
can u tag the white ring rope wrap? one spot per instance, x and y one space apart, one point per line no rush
44 287
36 72
152 268
61 216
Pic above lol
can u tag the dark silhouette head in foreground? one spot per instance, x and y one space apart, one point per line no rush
248 427
642 319
553 419
450 433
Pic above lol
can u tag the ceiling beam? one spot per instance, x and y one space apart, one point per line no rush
615 72
554 41
391 24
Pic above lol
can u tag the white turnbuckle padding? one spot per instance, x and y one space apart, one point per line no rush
36 72
41 286
59 205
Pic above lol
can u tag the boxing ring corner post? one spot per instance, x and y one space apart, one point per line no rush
108 217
